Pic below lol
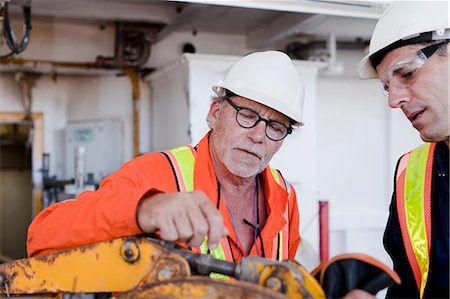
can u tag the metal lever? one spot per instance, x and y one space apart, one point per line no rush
202 264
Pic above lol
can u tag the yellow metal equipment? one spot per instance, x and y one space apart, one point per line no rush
142 267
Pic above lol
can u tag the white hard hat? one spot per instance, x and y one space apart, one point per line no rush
269 78
403 23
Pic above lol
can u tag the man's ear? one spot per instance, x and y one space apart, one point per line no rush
213 114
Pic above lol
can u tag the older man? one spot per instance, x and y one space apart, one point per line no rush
219 197
409 54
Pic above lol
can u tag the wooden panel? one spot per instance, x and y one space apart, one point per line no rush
15 211
18 199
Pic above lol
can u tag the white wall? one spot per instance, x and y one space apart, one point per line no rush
353 167
72 98
170 48
76 94
69 41
359 139
81 95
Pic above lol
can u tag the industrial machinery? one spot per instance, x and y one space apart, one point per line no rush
145 267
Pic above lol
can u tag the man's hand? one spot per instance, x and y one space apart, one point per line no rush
182 216
359 294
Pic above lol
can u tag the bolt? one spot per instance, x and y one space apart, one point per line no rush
165 273
130 252
273 283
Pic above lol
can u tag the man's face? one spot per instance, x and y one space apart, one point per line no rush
425 101
244 152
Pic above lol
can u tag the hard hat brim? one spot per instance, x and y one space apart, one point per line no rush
220 91
365 69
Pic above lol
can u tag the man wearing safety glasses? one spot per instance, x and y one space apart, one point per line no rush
409 54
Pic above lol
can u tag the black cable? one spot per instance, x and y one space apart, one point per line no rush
9 35
218 194
258 233
257 227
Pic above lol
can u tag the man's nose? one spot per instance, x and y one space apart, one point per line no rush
398 96
258 132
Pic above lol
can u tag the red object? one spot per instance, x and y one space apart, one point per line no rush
324 233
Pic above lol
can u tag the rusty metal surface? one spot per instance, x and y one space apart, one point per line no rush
40 296
287 277
31 297
286 281
308 282
113 266
200 287
153 270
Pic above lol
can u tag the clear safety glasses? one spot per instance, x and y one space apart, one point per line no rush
404 73
248 118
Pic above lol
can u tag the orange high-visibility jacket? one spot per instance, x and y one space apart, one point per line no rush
110 212
413 197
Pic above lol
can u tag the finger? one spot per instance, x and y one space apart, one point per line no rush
183 225
168 230
217 229
147 221
199 224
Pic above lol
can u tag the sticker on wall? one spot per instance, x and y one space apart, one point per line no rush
83 135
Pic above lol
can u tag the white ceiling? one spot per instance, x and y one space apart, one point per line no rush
263 22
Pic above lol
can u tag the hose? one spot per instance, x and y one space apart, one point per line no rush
8 32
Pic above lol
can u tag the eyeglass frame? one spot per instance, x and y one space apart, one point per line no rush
422 57
238 109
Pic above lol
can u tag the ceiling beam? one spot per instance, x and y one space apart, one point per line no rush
101 10
282 28
358 9
187 14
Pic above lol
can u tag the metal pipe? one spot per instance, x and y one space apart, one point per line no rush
134 79
324 234
132 46
331 46
36 62
132 75
79 168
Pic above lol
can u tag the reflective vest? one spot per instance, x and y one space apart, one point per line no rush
413 197
182 160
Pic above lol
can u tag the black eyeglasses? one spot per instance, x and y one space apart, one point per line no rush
247 118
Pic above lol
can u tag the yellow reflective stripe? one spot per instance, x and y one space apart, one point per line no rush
185 160
280 245
276 176
414 208
186 163
217 253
